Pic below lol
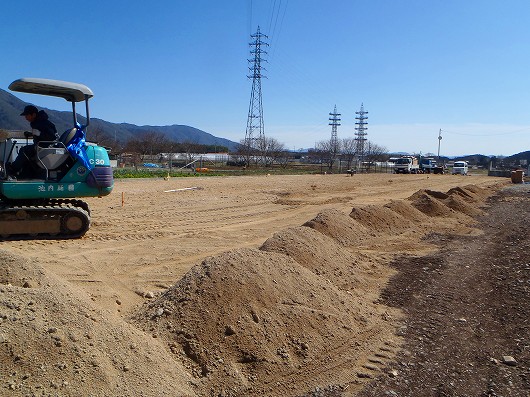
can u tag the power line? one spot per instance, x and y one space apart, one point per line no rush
279 29
249 17
491 134
271 13
276 20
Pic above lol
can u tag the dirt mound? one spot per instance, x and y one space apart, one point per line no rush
54 342
430 205
380 219
466 194
245 323
462 200
317 252
481 192
457 203
17 272
407 211
432 193
247 313
339 226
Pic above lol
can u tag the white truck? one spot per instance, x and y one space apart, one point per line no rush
460 167
406 165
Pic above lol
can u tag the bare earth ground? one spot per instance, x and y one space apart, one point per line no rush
467 306
272 286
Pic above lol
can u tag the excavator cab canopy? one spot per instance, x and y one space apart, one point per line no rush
72 92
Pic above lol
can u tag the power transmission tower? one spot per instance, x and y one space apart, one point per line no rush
334 123
255 124
360 132
334 142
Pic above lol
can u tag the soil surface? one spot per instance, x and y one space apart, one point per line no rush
317 285
467 310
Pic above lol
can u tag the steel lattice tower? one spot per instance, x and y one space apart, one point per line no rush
255 109
360 132
334 123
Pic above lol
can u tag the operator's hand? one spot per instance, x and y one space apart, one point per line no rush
28 134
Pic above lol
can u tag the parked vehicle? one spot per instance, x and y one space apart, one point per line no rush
427 165
460 167
406 165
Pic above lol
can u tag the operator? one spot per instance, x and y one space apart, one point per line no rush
43 131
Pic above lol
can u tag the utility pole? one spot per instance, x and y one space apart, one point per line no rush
360 132
334 142
255 124
439 142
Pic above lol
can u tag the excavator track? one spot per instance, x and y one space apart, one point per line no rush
54 219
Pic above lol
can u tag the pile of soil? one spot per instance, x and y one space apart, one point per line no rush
407 211
253 322
345 230
458 204
466 194
302 315
265 322
432 206
318 253
432 193
54 341
380 219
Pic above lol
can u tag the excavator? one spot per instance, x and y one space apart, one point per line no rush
46 203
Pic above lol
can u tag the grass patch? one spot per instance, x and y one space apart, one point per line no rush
121 173
148 173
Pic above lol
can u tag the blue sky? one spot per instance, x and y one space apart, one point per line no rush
418 66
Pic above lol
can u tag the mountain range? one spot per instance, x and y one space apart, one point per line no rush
10 119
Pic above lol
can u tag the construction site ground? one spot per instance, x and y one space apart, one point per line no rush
314 285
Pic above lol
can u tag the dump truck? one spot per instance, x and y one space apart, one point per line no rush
406 165
428 165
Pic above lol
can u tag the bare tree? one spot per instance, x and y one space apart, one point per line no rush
330 150
192 150
147 144
98 135
273 150
247 153
348 150
317 155
171 147
239 155
374 152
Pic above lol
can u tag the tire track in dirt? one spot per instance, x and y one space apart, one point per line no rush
464 317
273 285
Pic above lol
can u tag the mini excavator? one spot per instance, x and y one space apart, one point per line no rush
46 204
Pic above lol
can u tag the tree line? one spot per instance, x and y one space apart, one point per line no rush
148 144
263 152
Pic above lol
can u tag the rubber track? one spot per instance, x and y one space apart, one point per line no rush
49 211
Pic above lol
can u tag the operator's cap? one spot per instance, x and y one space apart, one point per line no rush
30 109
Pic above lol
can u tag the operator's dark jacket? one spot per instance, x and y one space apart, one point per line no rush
47 130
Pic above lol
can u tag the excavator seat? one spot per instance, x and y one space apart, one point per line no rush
52 157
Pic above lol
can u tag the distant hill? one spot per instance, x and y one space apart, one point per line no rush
520 156
10 119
